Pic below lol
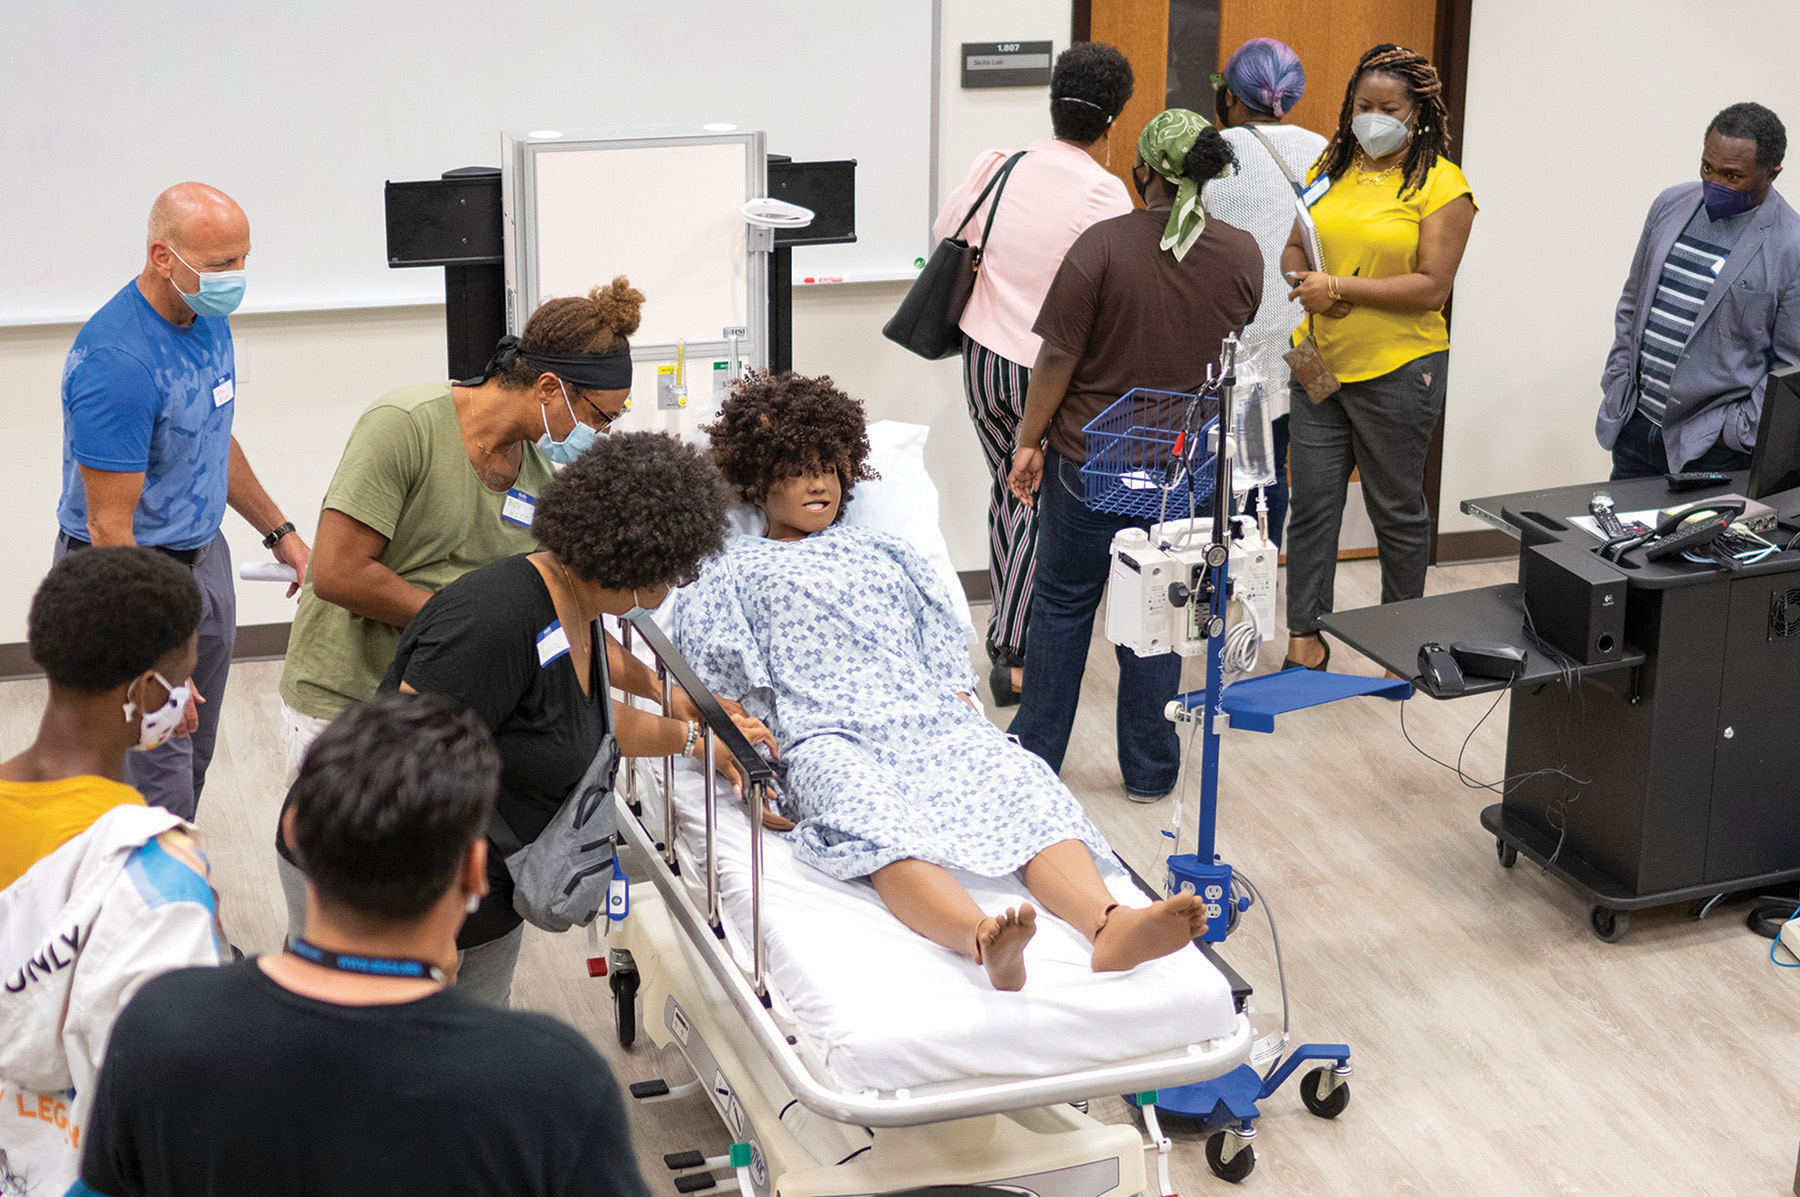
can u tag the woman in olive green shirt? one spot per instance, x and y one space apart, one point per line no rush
441 479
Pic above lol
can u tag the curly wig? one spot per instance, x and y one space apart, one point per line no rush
775 427
103 616
639 509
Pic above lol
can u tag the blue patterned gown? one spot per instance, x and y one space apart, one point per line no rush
845 644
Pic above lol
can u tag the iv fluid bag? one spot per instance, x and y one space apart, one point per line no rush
1253 462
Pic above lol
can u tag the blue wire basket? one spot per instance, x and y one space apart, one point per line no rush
1132 460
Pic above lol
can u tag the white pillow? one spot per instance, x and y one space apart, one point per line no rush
902 502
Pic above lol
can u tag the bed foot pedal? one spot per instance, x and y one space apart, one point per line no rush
694 1182
643 1089
680 1161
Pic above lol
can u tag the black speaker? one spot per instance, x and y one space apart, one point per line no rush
1576 601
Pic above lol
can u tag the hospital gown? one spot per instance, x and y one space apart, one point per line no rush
846 645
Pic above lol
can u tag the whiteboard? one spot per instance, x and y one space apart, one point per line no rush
663 210
302 111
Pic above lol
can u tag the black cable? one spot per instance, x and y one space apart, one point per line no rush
1506 784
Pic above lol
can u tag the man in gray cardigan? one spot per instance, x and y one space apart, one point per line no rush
1712 305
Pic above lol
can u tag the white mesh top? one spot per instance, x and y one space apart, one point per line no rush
1256 198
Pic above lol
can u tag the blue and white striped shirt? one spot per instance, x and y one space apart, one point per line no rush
1694 262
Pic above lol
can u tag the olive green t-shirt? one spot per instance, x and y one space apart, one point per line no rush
406 474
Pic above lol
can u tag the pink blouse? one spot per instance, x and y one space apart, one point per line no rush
1055 192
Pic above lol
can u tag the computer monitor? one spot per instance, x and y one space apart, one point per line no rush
1775 462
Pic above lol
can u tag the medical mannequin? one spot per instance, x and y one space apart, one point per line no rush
843 641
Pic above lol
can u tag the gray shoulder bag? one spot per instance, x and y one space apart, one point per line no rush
560 878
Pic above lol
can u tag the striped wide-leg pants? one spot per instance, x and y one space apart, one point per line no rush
995 387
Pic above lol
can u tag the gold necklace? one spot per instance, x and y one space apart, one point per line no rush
1370 178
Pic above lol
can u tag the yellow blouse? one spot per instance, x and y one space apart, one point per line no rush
1370 232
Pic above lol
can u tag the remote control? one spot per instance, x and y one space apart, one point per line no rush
1697 480
1601 508
1691 536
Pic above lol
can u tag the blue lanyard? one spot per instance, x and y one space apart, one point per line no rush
369 966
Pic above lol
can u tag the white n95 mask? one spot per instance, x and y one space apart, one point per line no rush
1378 133
160 724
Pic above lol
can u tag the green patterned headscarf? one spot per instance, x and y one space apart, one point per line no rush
1164 145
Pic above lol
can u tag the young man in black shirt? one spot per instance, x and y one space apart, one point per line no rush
346 1065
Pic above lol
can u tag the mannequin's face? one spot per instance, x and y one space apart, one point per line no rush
804 504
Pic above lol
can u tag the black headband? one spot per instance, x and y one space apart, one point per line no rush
609 371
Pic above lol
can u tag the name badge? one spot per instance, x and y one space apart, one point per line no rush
1315 191
518 508
552 642
223 393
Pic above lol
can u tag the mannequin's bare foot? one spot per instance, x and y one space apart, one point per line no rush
1132 935
1000 945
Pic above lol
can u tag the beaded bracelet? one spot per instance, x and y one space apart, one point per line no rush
687 749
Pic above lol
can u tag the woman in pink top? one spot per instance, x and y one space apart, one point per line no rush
1059 188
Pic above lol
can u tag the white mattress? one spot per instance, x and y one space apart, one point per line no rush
887 1009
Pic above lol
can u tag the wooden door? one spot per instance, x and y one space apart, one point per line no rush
1140 30
1329 36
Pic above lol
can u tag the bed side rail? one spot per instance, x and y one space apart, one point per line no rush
758 774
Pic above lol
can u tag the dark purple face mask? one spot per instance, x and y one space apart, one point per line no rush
1722 202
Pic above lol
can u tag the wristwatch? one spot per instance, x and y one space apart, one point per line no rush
277 534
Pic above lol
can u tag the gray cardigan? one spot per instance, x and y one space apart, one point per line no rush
1749 325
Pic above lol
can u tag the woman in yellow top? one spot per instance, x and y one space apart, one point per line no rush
1393 216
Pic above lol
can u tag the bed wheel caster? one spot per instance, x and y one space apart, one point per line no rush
1509 855
1230 1154
1325 1091
623 976
1608 924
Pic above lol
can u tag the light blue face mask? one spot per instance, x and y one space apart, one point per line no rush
580 439
220 291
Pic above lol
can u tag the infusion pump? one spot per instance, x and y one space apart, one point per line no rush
1155 597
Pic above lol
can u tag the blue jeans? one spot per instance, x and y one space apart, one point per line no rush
1639 453
1074 556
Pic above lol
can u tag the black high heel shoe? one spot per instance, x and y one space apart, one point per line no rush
1324 662
1000 684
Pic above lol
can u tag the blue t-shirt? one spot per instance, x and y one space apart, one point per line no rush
142 394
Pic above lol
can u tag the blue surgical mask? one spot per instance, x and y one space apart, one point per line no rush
220 291
580 439
1378 133
1722 202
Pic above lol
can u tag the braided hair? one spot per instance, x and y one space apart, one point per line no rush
1423 87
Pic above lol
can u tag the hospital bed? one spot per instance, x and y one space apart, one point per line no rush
847 1054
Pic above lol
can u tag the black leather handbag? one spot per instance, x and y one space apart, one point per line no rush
926 321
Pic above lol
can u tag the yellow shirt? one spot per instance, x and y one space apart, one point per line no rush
38 817
1371 232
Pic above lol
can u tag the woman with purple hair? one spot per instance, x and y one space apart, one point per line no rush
1262 81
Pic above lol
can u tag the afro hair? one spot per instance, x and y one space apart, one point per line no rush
774 427
103 616
639 509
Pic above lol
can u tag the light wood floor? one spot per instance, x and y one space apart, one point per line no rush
1499 1047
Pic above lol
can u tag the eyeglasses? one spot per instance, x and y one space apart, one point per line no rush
606 419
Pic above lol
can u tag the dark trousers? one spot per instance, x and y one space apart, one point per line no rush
1639 452
1074 556
173 776
996 387
1381 428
